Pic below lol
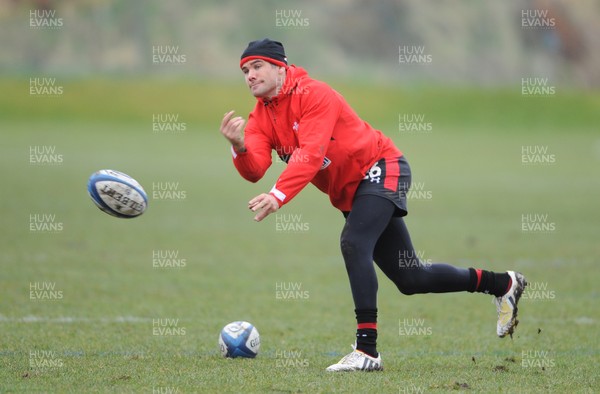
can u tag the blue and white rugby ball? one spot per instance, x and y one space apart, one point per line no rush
239 339
117 194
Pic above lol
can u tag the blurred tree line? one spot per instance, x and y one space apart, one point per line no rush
484 43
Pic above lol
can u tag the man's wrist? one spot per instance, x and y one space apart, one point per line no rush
239 148
279 203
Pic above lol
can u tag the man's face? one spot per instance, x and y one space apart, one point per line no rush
263 78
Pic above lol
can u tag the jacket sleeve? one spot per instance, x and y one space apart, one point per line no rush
254 162
319 111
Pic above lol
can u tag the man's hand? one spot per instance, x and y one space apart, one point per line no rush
265 204
231 128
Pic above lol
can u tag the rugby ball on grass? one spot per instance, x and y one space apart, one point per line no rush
239 339
117 194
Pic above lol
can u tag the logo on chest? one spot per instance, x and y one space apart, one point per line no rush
290 155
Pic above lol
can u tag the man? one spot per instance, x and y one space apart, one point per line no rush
324 142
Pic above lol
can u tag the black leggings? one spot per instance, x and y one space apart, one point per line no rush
372 232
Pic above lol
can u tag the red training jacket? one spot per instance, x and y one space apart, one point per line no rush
322 140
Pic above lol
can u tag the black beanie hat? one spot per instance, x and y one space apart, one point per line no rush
265 49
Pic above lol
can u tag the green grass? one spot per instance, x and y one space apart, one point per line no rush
100 332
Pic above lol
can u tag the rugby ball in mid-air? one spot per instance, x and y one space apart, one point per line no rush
117 194
239 339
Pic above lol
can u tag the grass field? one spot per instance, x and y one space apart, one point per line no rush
81 296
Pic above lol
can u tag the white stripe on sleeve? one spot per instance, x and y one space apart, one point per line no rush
278 194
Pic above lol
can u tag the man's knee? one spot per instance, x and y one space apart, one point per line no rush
349 243
405 286
411 282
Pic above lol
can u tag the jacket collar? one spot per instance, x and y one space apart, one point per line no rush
293 76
